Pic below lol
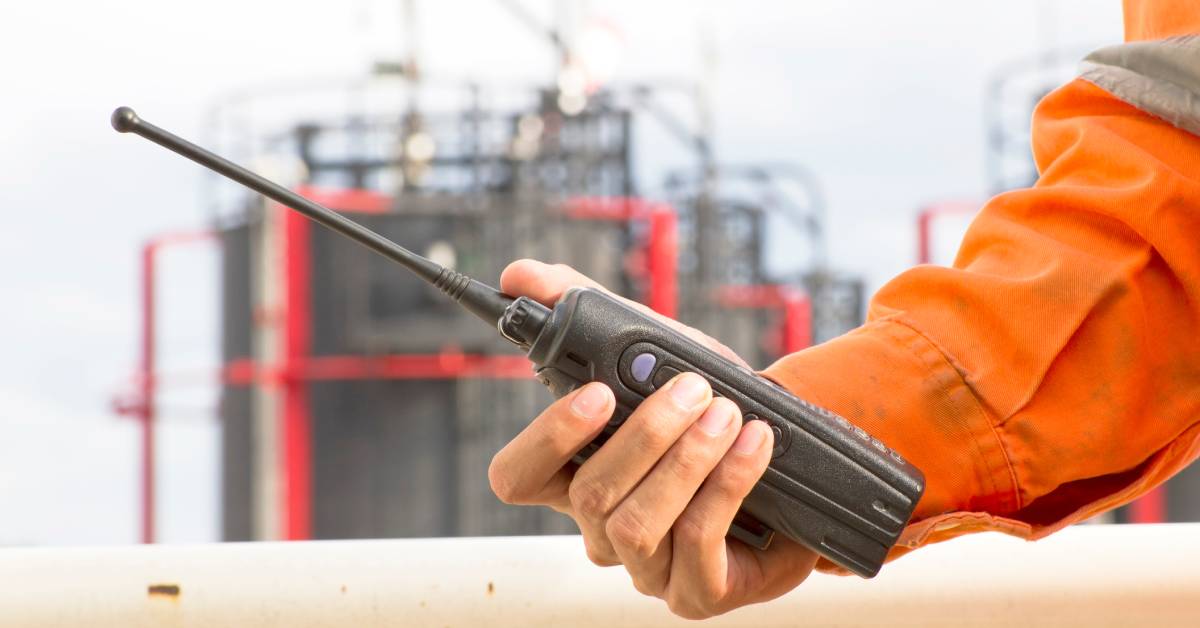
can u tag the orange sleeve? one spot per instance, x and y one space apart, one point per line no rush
1054 371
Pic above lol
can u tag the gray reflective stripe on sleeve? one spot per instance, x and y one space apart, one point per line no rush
1160 77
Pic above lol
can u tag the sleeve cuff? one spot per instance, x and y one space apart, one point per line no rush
892 381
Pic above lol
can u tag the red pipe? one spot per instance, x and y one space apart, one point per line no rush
296 430
295 412
796 331
797 322
923 235
445 365
662 244
661 258
1150 507
146 405
616 208
436 366
925 224
357 367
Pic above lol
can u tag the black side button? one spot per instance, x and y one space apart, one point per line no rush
664 375
780 445
780 441
559 383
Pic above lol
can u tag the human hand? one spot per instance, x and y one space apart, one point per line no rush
660 495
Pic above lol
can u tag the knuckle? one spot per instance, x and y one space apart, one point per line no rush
734 479
600 558
688 532
625 529
648 585
589 498
654 434
687 608
643 587
709 597
690 463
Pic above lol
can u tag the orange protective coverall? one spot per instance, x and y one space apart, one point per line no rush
1054 371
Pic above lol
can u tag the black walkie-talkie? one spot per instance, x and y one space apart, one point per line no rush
829 485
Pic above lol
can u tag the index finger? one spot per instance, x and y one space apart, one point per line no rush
521 471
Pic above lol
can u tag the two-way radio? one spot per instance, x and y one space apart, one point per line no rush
829 486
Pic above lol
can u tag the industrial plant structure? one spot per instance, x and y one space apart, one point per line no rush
357 402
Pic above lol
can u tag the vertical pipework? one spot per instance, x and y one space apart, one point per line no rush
1150 508
296 428
146 411
797 322
923 235
662 255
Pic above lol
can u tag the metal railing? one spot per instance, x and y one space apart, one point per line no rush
1132 575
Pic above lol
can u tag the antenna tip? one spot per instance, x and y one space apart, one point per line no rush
125 119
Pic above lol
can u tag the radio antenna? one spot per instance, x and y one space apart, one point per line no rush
481 299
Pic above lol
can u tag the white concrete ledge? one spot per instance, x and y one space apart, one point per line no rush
1084 576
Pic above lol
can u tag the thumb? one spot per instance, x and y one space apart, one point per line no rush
543 283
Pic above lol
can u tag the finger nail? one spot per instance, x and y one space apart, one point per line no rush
688 390
749 440
591 401
716 419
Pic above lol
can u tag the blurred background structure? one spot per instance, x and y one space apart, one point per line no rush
357 402
755 170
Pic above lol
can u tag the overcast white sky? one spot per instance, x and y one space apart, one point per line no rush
882 99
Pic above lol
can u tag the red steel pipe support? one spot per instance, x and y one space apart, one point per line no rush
144 408
925 220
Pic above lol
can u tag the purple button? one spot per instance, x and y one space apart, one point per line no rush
642 366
